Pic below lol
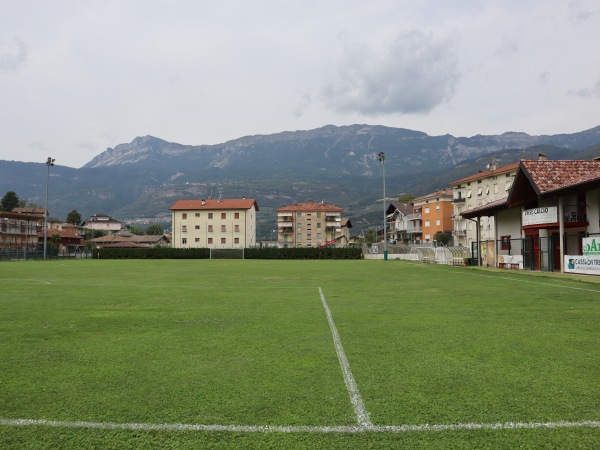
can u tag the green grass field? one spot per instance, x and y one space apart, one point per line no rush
242 354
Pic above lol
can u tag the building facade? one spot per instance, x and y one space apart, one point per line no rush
226 224
312 225
102 222
485 187
432 213
20 230
551 208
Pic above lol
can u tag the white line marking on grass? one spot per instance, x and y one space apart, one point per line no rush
362 414
299 429
25 279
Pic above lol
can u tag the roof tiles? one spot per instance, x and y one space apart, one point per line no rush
549 176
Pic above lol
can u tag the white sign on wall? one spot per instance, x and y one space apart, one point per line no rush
538 216
586 264
591 246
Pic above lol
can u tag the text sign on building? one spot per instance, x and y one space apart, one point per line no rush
586 264
591 246
538 216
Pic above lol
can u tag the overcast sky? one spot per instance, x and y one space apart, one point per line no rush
79 76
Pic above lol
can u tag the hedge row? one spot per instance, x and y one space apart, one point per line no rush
249 253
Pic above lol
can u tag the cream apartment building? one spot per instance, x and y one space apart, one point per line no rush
311 225
227 224
482 188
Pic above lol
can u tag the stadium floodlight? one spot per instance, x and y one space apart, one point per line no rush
49 163
385 253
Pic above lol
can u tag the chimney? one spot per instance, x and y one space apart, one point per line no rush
203 202
493 166
542 157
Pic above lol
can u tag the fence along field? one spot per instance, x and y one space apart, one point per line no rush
337 352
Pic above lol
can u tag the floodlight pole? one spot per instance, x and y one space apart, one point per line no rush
49 163
385 252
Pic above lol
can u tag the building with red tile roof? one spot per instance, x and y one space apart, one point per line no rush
311 224
218 224
550 208
475 191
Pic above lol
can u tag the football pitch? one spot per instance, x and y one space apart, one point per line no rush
296 354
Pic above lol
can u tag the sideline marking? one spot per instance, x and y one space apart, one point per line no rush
362 415
299 429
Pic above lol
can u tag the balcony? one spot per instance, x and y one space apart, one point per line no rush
333 218
574 214
285 230
459 200
416 216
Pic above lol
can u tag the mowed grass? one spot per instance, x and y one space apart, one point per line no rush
247 343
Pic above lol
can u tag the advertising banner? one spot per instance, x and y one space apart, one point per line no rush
586 264
591 245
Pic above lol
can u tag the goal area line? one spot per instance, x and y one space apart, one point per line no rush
300 429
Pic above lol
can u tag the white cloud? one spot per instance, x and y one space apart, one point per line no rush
591 92
13 53
411 74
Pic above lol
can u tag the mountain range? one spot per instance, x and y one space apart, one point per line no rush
338 165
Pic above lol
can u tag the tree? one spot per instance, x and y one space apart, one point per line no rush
74 217
134 230
406 198
10 201
442 237
155 230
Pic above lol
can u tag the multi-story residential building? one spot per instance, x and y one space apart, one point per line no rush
312 225
432 213
102 222
20 230
477 190
211 223
397 222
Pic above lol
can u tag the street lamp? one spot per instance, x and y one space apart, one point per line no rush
49 163
385 253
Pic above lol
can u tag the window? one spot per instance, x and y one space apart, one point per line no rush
197 227
504 242
318 215
210 215
197 214
299 237
223 240
507 186
223 228
427 210
197 240
210 228
184 241
184 216
437 207
223 216
496 188
299 215
318 235
299 226
437 221
184 229
469 193
427 223
237 228
236 240
210 240
487 190
479 191
318 224
236 215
